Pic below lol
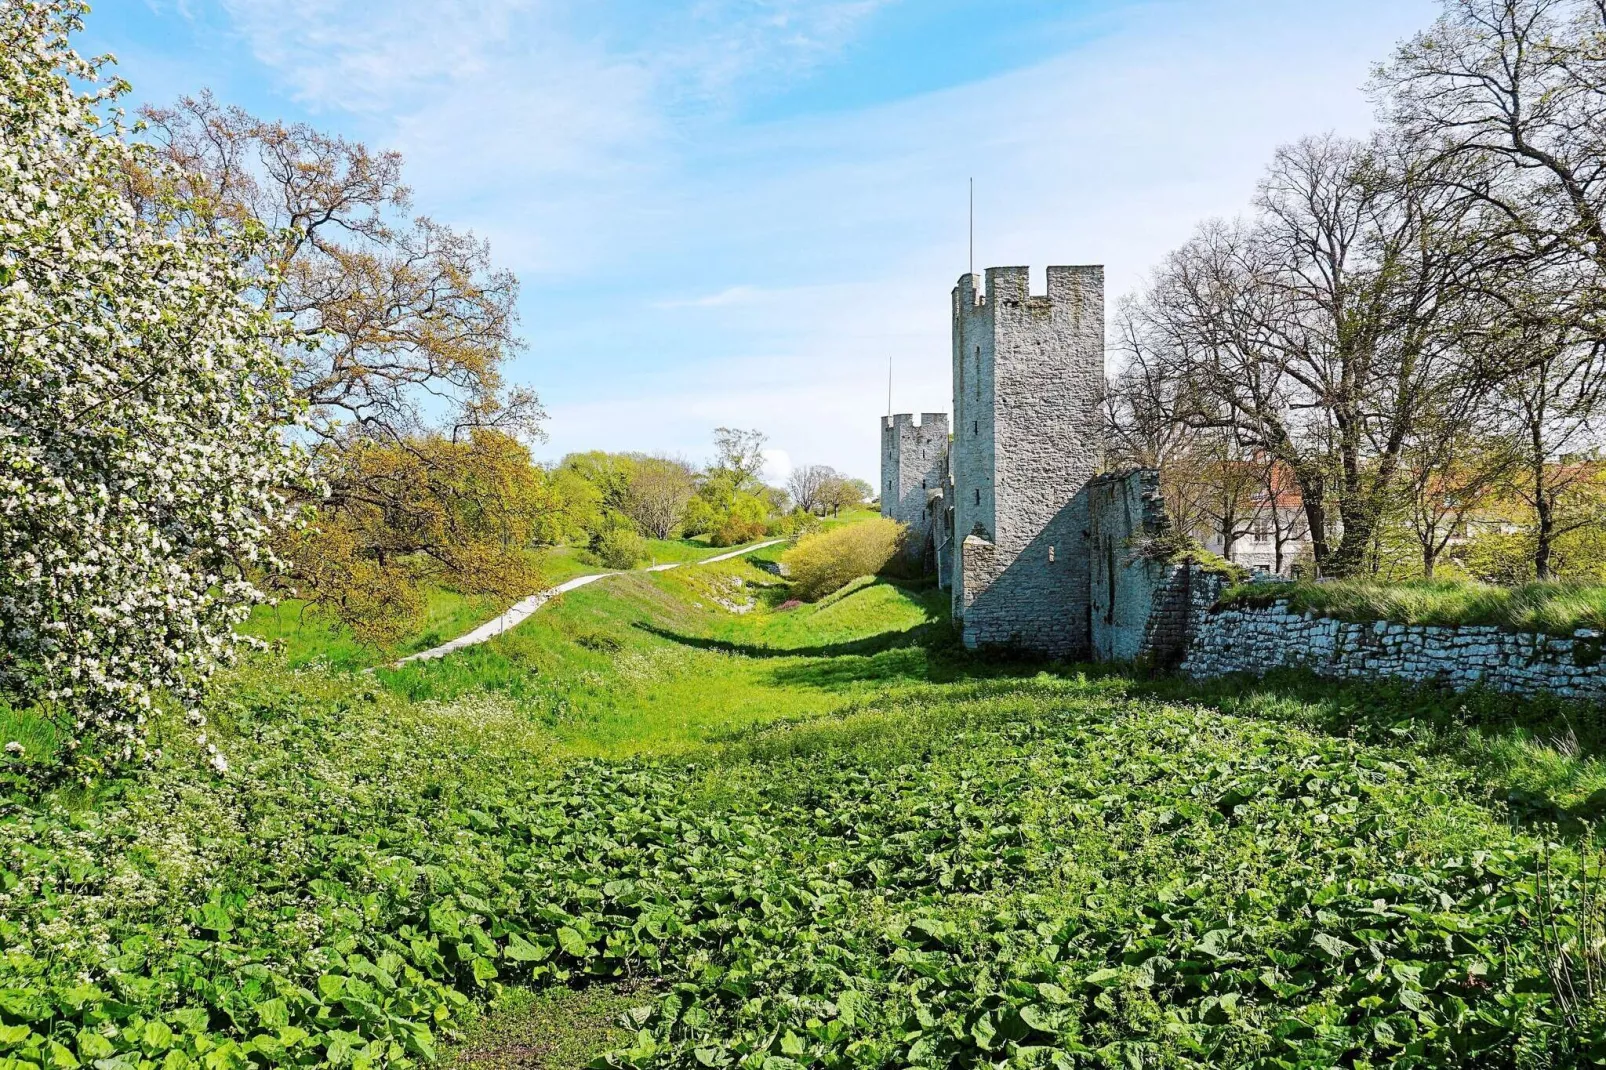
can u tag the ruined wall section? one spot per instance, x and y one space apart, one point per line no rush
1146 604
1029 371
914 465
1126 511
1256 640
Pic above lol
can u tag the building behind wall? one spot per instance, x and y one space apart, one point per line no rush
1028 372
914 468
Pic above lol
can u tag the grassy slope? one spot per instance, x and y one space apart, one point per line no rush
654 662
858 846
307 636
1556 608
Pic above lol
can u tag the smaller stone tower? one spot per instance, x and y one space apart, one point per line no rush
914 468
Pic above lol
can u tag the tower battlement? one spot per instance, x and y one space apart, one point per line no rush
1028 371
929 422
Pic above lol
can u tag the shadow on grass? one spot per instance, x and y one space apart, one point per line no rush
918 636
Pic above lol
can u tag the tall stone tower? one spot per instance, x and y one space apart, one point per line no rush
914 466
1028 373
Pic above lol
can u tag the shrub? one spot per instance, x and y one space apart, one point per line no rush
619 548
828 561
795 523
747 520
699 518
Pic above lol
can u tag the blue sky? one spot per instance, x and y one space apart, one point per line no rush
736 211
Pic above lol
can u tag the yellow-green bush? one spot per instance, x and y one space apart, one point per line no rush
828 561
747 520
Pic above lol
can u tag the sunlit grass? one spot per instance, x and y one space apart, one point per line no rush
658 663
308 635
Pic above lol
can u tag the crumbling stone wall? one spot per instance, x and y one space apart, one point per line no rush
914 466
1145 606
1028 372
1254 640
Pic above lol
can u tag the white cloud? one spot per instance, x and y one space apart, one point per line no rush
593 143
777 467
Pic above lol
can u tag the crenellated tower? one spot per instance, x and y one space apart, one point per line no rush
914 465
1028 372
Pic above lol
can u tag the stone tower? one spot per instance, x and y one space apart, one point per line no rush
1028 374
914 465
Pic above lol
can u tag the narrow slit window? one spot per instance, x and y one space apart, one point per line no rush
1051 555
978 497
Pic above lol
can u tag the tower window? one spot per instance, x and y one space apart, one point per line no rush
978 496
1051 555
975 427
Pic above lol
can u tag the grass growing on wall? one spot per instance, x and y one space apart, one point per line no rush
1556 608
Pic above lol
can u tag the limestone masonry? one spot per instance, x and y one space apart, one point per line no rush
1254 640
1044 554
1008 522
914 471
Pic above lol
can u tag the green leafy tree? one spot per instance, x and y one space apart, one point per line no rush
422 510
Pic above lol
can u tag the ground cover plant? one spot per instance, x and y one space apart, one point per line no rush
894 856
1557 608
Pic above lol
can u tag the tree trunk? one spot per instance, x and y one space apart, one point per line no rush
1311 491
1349 557
1544 511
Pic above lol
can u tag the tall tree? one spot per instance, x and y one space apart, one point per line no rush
659 490
1514 92
1451 466
1325 329
396 329
1553 401
808 484
389 312
738 457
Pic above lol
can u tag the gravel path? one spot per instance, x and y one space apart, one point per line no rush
522 609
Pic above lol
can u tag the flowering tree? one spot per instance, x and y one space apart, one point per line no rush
142 406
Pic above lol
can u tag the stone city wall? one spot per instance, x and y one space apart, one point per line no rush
914 468
1255 640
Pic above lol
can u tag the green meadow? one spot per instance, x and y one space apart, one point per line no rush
679 819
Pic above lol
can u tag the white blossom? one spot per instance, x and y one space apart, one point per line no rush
142 406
